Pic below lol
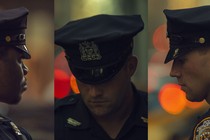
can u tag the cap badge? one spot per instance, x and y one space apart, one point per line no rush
89 51
97 72
73 122
176 52
201 40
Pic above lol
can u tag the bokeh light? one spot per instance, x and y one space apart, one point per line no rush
194 105
61 83
73 84
160 42
61 63
172 99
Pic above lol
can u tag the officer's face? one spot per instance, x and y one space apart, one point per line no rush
108 98
192 72
12 76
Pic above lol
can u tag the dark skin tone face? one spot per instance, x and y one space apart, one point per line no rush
12 76
193 74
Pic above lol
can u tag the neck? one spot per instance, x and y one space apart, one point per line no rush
208 98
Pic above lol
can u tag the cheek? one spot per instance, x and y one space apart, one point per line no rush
192 69
83 90
119 88
195 76
14 73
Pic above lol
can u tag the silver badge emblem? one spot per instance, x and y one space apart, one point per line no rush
73 122
202 130
89 51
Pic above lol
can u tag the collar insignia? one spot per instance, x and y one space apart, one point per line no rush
89 51
73 122
15 128
145 120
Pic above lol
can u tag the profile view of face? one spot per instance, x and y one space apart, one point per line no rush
12 75
192 73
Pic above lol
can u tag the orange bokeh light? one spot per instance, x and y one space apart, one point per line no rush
73 84
194 105
172 99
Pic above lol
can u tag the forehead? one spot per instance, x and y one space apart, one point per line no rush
195 54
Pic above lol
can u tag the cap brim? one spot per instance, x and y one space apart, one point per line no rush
175 52
24 49
169 56
97 75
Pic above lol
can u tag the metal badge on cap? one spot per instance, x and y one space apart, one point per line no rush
176 52
89 51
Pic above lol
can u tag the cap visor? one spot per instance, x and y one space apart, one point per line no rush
24 49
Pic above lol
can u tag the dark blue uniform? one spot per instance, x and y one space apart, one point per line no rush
9 131
201 130
74 122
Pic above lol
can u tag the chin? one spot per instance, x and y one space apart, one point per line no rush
14 101
100 113
194 99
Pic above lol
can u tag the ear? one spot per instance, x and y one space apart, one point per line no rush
131 65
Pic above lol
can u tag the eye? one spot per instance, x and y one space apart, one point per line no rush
181 60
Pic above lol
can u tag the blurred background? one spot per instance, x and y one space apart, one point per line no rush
67 10
35 111
171 116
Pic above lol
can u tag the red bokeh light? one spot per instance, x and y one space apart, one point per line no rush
61 83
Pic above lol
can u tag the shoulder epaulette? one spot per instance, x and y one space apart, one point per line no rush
69 100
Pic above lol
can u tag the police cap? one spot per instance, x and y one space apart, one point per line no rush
13 23
187 29
96 47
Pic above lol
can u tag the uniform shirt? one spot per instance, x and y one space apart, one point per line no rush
9 131
201 130
74 122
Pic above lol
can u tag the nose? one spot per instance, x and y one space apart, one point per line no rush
95 91
25 69
175 70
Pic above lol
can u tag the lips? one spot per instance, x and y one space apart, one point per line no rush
183 87
98 102
24 86
181 83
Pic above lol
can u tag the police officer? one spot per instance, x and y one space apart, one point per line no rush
12 70
99 53
189 35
